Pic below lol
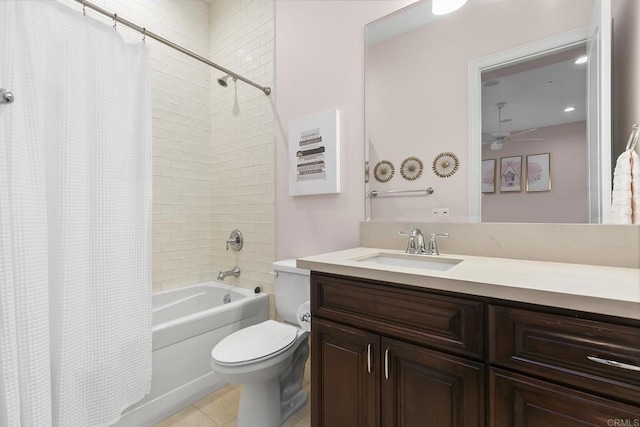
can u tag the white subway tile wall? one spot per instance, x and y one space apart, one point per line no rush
213 147
243 169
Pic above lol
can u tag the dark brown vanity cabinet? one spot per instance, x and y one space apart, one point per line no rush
576 371
387 355
347 391
375 357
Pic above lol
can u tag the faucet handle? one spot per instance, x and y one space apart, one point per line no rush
413 233
432 249
235 240
415 245
433 236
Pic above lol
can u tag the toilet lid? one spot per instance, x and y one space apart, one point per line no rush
254 342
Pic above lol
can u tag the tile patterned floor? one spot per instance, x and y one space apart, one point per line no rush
220 409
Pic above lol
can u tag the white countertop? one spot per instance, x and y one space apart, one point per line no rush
597 289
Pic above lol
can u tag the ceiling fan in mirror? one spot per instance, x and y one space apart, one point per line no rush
497 139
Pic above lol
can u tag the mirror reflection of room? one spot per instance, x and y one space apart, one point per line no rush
534 139
418 104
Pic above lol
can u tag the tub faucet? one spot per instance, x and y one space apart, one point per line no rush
235 272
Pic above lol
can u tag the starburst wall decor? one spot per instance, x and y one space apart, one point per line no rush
411 168
445 164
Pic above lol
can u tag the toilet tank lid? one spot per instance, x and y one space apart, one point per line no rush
289 266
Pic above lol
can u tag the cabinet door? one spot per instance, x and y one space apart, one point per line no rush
344 374
426 388
520 401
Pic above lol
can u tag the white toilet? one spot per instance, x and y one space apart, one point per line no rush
268 359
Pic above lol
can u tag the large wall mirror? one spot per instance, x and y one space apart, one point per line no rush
500 107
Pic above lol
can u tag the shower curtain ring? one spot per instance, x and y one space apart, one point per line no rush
84 8
115 21
144 35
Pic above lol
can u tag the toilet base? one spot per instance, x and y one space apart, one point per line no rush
272 402
260 405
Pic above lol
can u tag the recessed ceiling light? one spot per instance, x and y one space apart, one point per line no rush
490 83
581 60
569 109
549 83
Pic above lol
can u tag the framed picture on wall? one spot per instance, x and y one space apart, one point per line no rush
489 176
510 174
539 172
314 154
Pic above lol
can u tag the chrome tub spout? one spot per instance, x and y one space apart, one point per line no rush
235 272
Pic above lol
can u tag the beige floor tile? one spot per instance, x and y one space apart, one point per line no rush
220 409
291 422
188 417
221 406
302 423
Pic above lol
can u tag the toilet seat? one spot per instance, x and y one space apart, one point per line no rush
254 343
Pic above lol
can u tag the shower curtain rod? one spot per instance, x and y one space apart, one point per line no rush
147 33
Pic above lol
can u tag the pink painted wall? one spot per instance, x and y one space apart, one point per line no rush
567 200
626 71
319 66
418 88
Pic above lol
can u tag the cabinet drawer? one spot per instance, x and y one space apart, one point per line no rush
568 349
442 322
517 400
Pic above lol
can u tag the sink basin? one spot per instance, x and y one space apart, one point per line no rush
426 262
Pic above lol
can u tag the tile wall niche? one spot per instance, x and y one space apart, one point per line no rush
243 169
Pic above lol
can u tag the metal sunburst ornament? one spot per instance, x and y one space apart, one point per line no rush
445 164
384 170
411 168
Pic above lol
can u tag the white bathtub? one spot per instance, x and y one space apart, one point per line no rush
187 323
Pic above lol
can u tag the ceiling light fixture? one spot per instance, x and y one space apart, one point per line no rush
569 109
581 60
442 7
496 145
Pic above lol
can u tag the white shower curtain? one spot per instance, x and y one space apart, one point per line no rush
75 207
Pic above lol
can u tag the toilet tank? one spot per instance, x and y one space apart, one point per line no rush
292 289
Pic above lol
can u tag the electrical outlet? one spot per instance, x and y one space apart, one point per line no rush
440 212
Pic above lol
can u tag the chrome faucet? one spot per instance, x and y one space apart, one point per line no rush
432 249
416 245
235 272
235 240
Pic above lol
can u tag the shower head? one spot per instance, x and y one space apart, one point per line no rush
222 81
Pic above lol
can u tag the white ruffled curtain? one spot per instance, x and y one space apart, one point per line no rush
75 209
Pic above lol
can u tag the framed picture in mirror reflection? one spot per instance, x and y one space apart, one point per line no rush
489 176
510 174
539 172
